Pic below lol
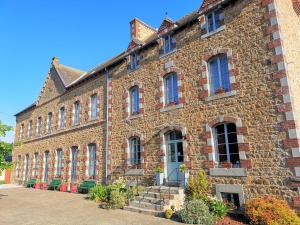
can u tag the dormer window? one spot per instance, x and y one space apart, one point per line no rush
134 61
212 22
169 44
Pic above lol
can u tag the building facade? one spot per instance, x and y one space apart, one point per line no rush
215 90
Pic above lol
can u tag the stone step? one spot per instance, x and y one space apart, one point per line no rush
152 200
157 195
165 190
145 205
144 211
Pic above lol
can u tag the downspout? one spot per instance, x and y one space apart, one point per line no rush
107 125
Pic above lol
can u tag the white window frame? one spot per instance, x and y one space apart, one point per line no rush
77 109
213 13
22 131
30 128
59 159
62 114
39 126
49 122
134 61
94 106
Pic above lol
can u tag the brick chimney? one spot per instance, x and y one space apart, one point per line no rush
140 31
55 61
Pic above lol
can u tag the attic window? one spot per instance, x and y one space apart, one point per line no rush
168 44
212 22
134 61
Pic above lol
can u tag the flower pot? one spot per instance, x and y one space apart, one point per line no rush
43 186
63 188
37 185
73 188
159 179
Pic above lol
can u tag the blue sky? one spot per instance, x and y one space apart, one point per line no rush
81 33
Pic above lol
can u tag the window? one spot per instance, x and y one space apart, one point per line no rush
226 146
92 161
76 113
59 157
22 131
49 123
39 126
171 89
174 147
46 169
134 61
36 164
135 152
74 163
169 44
219 75
19 167
30 128
231 198
134 100
215 20
62 118
26 167
94 103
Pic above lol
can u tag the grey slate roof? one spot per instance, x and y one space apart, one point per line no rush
67 74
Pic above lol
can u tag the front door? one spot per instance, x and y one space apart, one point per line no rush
26 167
174 155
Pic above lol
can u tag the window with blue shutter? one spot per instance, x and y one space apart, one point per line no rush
134 61
134 100
215 20
169 44
135 152
171 89
219 74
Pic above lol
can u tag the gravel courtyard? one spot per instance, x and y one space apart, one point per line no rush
20 206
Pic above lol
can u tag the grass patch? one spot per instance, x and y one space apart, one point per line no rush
2 182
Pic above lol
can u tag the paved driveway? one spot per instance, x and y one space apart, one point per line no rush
20 206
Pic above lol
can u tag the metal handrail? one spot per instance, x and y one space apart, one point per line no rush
168 178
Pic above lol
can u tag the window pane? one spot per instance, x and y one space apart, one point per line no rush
217 19
180 152
214 76
221 139
175 88
210 22
223 158
232 138
220 129
224 72
222 149
172 153
231 128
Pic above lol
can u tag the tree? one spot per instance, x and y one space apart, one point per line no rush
5 148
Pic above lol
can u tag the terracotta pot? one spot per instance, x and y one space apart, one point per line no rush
63 188
37 185
43 186
73 188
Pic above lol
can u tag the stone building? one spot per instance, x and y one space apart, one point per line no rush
216 90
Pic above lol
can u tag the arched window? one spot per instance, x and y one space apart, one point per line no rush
135 152
36 164
59 158
92 161
171 89
226 144
74 163
46 169
219 74
174 146
134 100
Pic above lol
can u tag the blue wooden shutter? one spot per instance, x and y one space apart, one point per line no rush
225 72
175 88
137 100
214 76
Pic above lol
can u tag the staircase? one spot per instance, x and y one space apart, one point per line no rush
156 199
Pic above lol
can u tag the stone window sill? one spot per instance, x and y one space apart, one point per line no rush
132 117
93 119
213 32
220 96
232 172
170 108
169 53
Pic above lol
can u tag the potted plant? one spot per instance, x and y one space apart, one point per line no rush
159 172
73 188
184 174
43 186
63 187
37 184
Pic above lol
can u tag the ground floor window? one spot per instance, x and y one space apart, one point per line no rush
26 167
46 169
59 156
135 152
19 166
92 161
74 163
36 164
232 199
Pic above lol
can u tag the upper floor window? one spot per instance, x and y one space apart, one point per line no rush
135 152
49 123
219 74
134 61
169 44
30 128
215 20
59 158
92 161
39 126
62 117
171 89
134 100
94 108
22 131
226 144
76 112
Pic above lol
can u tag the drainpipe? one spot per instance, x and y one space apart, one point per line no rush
107 125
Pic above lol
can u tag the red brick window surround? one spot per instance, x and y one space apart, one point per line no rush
126 146
170 69
210 148
205 74
126 100
296 6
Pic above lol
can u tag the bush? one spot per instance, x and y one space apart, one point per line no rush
99 193
117 200
218 208
196 212
169 213
270 211
197 188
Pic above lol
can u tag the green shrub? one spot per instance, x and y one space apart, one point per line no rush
197 188
99 193
169 213
196 212
218 208
117 200
158 170
270 211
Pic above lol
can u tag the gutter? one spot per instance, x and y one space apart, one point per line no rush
107 126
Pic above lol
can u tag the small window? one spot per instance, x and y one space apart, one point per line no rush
59 158
135 152
19 166
226 144
22 131
94 108
39 126
171 89
134 61
49 123
219 74
169 44
215 20
36 164
30 128
76 113
92 161
231 199
74 163
62 118
134 100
